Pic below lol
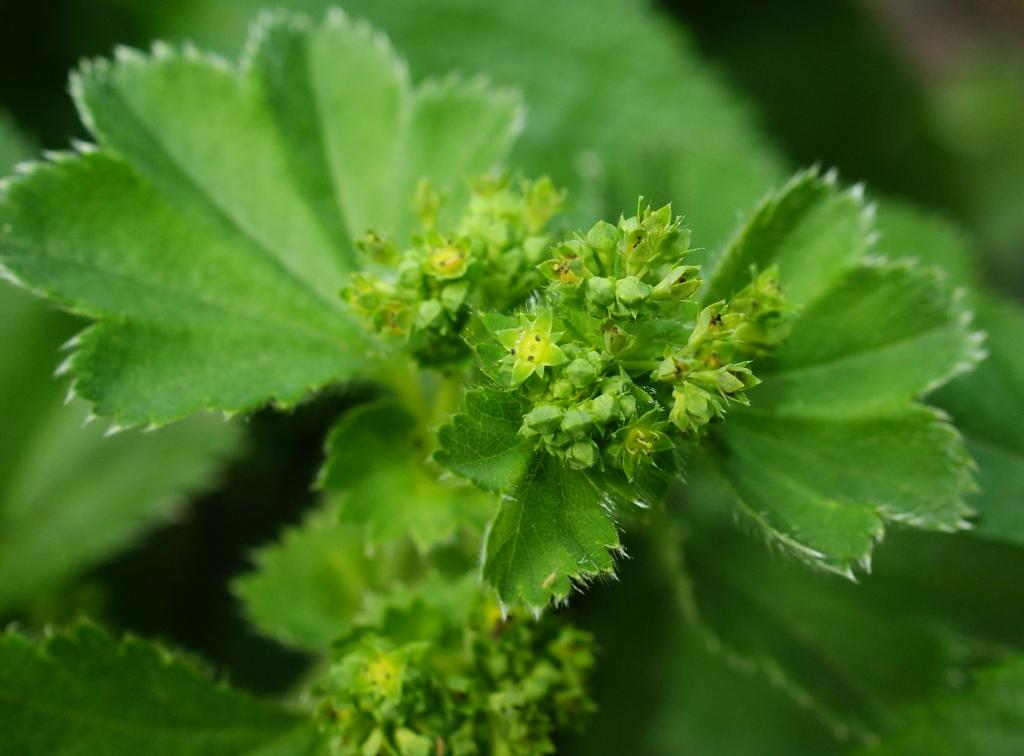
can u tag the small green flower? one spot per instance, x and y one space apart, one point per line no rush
532 347
581 372
631 291
582 454
600 291
378 249
447 260
544 418
566 270
679 283
693 407
636 443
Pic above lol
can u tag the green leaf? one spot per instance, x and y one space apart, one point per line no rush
14 146
906 231
883 335
987 719
987 405
377 465
833 446
482 442
82 692
70 497
809 228
824 489
674 692
306 589
199 233
852 653
607 126
553 528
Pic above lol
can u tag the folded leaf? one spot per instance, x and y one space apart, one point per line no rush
306 589
211 232
883 335
82 692
812 231
824 488
675 692
378 468
606 126
907 231
833 446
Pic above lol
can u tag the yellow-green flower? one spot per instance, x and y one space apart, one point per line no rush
447 261
532 347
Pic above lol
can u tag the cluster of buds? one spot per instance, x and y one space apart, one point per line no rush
453 678
423 295
628 271
618 360
708 372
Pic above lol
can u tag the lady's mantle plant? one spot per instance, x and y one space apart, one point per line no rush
247 235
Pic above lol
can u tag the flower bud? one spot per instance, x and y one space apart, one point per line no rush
615 339
627 406
427 313
581 372
582 454
563 389
603 237
600 291
602 408
680 283
691 407
426 201
631 291
577 421
544 418
453 296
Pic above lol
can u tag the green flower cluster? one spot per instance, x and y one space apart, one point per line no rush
423 295
425 678
617 359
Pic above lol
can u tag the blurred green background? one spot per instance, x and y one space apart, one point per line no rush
922 100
